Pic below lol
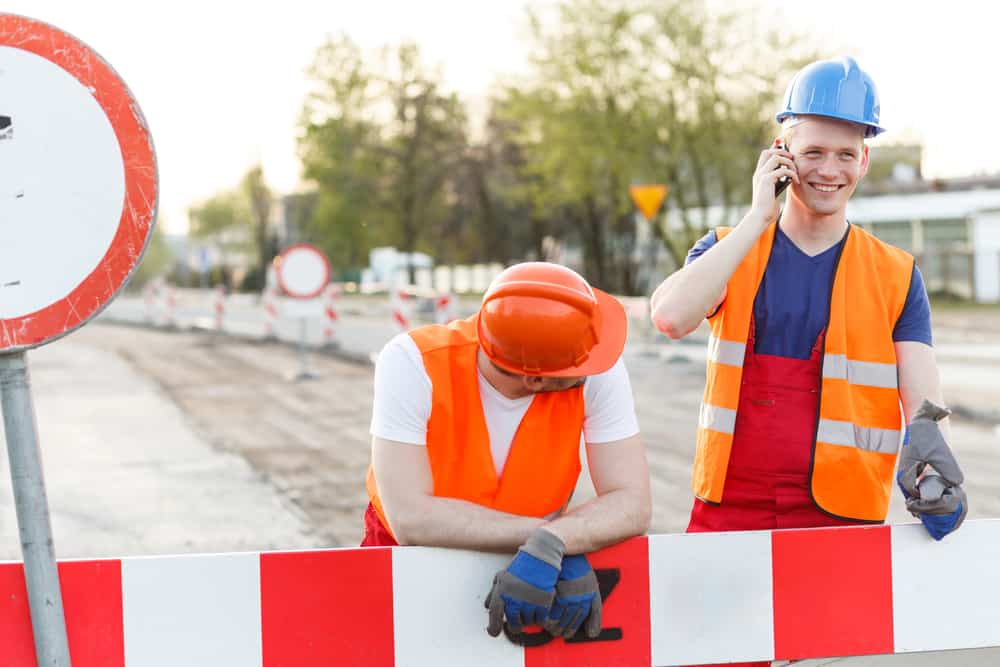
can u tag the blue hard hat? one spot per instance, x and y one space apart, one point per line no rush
834 88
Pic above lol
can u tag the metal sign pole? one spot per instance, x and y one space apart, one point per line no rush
304 371
40 572
303 359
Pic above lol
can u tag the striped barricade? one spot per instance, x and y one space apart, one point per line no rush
668 600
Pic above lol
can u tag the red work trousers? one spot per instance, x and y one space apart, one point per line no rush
375 533
767 481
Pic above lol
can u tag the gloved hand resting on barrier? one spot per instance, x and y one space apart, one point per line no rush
524 592
937 499
578 599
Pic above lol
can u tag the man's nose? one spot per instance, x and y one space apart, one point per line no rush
828 167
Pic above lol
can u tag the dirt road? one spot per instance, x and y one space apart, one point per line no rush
310 439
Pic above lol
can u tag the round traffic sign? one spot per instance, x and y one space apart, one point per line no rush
303 271
78 183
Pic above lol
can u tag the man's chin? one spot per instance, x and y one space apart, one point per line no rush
825 207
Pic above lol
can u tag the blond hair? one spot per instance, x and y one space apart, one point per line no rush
789 123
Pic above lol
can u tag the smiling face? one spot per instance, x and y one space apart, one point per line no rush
831 158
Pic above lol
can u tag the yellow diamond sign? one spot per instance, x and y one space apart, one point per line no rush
648 198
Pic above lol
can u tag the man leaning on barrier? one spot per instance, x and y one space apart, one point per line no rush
819 331
476 432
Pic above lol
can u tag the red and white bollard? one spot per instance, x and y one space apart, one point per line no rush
445 308
270 303
149 302
170 306
400 306
219 306
330 315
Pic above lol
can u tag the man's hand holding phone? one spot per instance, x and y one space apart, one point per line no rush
783 181
775 172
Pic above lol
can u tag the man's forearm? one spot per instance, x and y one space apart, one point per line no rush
603 521
681 302
458 524
918 380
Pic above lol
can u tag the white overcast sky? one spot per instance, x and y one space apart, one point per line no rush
221 82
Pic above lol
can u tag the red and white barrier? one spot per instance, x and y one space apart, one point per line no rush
400 308
219 306
269 301
446 308
170 306
149 302
668 600
330 315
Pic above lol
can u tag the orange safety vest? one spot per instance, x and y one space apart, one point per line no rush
544 461
858 425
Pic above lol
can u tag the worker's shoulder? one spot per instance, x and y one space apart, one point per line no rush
435 337
882 249
614 379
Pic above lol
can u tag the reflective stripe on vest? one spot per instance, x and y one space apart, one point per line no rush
543 465
859 423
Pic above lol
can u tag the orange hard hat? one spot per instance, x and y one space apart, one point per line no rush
544 319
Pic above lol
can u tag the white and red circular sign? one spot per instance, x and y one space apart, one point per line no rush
303 271
78 183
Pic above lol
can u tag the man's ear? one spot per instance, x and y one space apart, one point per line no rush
864 160
533 382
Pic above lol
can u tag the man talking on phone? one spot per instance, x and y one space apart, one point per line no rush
819 331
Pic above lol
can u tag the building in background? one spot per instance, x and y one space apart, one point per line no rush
390 267
954 235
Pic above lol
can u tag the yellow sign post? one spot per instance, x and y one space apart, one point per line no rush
648 198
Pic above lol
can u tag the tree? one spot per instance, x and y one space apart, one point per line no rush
224 219
258 198
622 92
217 214
238 220
156 258
380 142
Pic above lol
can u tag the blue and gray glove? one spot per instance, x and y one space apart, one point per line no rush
578 599
525 590
937 499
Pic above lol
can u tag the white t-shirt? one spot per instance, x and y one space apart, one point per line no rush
402 404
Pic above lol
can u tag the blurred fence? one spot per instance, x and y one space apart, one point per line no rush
362 324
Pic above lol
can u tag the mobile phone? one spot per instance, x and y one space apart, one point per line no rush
784 181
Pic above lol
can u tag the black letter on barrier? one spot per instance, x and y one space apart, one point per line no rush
606 582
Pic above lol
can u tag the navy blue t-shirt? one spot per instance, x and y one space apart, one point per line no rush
793 302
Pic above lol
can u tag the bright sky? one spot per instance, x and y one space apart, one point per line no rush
221 83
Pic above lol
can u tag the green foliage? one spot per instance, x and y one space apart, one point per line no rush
238 220
379 140
224 212
618 92
257 197
155 261
628 92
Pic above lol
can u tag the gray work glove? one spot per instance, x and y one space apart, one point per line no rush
525 590
578 600
938 499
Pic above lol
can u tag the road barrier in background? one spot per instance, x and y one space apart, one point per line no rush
668 600
445 308
219 306
149 303
330 315
269 302
401 309
169 307
333 318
